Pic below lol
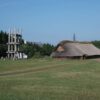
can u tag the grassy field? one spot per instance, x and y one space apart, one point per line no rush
49 79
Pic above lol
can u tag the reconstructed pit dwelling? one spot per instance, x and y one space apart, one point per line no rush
75 49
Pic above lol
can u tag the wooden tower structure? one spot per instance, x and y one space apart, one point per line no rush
14 40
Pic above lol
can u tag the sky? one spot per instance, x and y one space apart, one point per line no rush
51 21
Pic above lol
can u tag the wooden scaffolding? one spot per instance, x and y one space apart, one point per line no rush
14 40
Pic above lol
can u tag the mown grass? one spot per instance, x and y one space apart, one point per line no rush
61 80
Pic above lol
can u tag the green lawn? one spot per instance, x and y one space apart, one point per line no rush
49 79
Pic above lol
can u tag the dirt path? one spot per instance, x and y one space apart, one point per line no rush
31 70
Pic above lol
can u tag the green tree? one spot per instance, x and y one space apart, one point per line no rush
3 43
96 43
46 49
27 49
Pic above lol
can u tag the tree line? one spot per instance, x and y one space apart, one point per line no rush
37 50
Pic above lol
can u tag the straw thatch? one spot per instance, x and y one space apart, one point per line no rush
70 49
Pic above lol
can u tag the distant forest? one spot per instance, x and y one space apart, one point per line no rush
31 49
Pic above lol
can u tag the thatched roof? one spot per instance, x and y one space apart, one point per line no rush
72 49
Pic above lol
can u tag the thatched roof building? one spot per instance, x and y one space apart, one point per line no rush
70 49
